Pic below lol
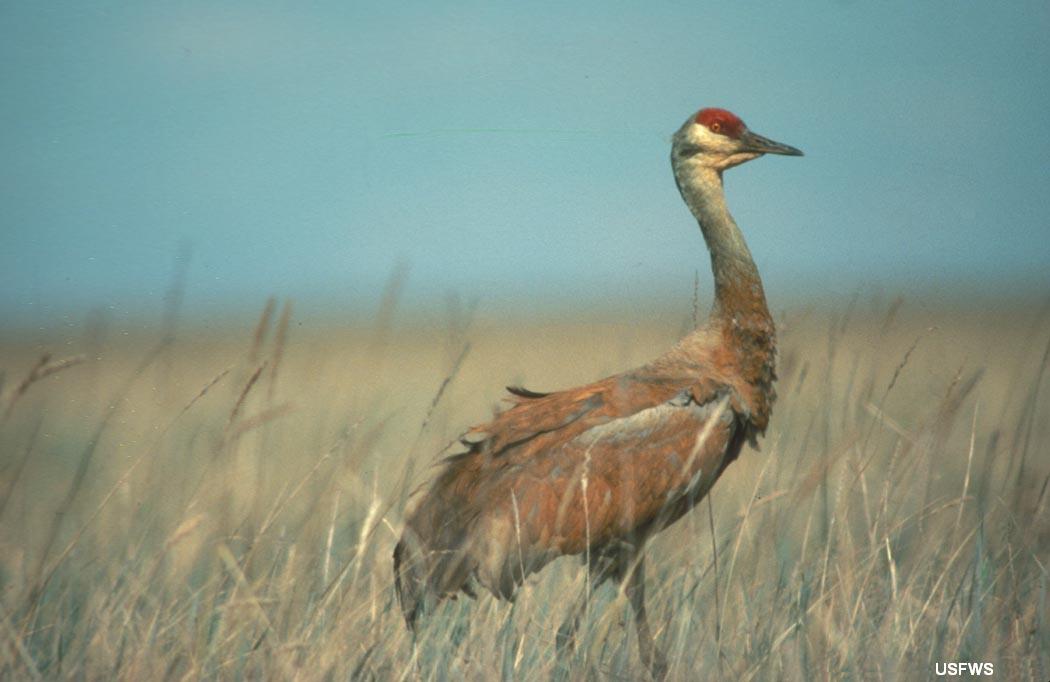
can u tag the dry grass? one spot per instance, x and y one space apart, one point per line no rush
225 507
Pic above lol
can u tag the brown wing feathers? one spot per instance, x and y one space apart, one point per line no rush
523 392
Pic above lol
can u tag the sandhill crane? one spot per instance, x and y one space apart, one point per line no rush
597 470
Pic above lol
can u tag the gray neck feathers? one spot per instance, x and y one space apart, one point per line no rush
735 273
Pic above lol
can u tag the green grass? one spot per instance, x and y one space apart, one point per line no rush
225 505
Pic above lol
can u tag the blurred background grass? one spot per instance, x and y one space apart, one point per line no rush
193 487
189 502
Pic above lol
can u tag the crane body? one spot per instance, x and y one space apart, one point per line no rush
597 470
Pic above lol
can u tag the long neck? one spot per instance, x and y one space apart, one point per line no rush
740 310
739 297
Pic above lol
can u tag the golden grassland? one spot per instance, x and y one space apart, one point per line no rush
224 505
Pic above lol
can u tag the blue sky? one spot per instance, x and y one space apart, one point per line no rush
516 153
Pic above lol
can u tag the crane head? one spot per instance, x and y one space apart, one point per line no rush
718 139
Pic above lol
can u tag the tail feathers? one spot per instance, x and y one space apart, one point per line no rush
424 577
432 561
408 582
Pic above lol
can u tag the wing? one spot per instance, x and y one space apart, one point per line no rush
660 408
625 477
642 471
536 421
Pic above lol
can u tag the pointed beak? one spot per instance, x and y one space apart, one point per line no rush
755 143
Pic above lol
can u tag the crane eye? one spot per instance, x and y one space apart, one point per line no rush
716 127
